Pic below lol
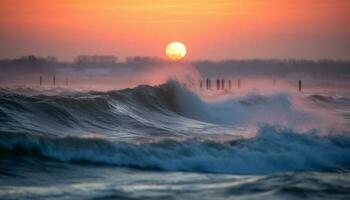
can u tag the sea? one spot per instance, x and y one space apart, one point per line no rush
169 141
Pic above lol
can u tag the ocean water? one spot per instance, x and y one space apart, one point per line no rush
170 142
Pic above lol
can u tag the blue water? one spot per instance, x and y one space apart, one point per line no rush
168 142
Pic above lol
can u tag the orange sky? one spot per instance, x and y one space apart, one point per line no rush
211 29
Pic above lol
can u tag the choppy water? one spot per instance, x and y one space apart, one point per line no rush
166 142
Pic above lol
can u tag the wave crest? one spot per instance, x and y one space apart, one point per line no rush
272 150
166 109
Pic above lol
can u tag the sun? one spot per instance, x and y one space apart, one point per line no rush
175 51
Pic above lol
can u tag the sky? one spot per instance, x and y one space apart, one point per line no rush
211 29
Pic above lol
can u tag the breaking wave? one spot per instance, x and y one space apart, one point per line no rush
272 150
169 127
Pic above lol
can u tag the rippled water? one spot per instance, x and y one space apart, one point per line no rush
166 142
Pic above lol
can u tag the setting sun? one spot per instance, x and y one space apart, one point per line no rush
175 51
180 99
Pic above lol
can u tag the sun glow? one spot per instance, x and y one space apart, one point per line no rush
175 51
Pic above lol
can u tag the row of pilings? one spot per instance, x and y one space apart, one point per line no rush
222 84
52 81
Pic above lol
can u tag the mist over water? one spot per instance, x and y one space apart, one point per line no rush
246 100
231 142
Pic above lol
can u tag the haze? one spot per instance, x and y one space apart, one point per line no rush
310 29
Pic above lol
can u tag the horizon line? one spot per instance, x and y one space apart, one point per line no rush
162 59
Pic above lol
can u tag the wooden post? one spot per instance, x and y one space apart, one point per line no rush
209 81
54 80
299 85
41 81
222 84
229 84
239 84
218 84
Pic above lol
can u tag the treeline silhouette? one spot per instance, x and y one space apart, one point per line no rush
109 67
322 69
